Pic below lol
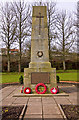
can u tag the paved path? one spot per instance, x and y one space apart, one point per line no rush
39 107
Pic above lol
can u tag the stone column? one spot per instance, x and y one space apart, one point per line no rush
39 39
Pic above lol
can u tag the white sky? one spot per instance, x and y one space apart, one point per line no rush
69 5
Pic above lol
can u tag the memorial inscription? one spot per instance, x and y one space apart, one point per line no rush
40 77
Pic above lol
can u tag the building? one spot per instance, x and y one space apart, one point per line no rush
12 51
3 51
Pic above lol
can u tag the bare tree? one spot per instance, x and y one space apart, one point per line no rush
22 12
51 15
7 28
78 26
65 33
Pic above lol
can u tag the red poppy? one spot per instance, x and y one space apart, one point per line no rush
40 84
53 90
57 89
21 91
27 90
22 87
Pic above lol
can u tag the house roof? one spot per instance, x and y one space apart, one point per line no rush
14 50
10 49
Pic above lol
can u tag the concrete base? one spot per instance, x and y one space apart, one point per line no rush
27 77
40 95
39 65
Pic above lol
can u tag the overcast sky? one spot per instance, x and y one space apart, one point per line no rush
69 5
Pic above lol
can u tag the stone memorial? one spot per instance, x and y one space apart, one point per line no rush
39 70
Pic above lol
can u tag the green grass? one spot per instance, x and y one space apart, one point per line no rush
68 75
10 77
67 71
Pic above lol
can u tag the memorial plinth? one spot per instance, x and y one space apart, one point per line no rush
39 68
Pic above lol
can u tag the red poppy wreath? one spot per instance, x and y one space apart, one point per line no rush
37 86
27 90
53 90
22 89
57 89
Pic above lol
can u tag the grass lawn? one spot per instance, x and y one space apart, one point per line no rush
67 71
68 75
10 77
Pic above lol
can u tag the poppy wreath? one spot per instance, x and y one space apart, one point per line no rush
57 89
22 89
27 90
53 90
40 84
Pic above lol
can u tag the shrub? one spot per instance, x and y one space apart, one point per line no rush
57 78
21 79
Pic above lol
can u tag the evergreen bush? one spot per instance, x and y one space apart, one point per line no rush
21 79
57 78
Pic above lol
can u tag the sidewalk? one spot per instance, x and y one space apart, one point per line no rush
39 107
69 82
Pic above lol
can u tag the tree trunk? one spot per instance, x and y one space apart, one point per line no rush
64 66
20 63
20 41
49 36
8 65
8 56
20 57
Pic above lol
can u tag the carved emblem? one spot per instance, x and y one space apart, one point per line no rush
40 53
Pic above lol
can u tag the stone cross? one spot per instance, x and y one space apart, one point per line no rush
39 21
